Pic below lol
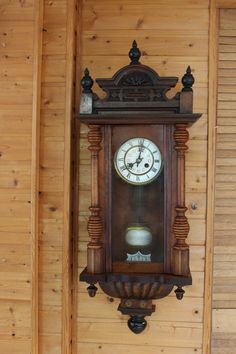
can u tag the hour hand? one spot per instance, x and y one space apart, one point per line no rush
139 159
130 165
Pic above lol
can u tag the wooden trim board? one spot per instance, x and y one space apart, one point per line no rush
75 179
67 249
37 64
213 44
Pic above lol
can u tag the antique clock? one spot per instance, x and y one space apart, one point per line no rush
138 228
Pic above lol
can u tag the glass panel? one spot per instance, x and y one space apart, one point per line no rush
137 222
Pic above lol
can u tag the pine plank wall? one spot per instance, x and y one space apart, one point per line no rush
44 309
224 284
170 40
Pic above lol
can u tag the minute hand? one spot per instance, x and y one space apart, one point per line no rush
139 159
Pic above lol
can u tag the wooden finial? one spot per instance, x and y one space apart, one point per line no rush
134 53
179 292
188 80
87 82
92 289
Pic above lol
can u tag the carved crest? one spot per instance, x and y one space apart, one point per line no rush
136 87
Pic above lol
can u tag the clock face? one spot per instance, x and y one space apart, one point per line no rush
138 161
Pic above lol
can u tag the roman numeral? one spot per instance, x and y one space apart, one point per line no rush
154 170
157 161
137 178
123 168
140 141
121 159
128 175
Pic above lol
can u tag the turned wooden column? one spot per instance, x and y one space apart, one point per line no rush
180 250
95 264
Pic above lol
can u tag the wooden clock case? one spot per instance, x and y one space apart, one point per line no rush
136 104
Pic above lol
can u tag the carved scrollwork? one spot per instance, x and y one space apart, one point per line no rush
137 94
136 79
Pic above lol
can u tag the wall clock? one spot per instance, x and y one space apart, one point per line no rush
138 228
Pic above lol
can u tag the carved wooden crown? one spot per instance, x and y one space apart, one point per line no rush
136 87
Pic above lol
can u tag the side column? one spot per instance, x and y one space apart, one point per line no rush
180 250
95 263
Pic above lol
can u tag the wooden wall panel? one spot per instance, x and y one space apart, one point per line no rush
224 272
36 97
35 238
51 198
108 29
55 176
16 99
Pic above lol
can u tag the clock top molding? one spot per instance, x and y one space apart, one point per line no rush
136 94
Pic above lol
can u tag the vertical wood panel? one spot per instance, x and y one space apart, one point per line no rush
67 267
75 178
224 289
36 117
37 64
54 211
16 99
213 50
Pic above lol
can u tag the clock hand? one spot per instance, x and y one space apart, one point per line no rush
139 159
130 165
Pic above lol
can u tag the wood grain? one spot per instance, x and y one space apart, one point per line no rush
170 40
54 182
167 47
211 176
189 334
224 275
67 239
19 55
38 12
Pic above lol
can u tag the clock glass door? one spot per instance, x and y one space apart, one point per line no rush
137 213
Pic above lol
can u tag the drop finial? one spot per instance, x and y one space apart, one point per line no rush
179 292
137 323
87 82
92 289
134 53
188 80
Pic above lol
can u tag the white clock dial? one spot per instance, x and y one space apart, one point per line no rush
138 161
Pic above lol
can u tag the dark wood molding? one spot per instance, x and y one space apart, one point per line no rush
137 117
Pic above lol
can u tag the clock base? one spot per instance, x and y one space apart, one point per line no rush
136 292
